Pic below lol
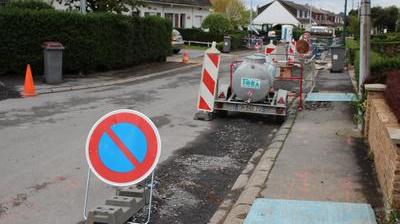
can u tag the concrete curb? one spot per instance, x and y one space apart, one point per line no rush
251 181
110 83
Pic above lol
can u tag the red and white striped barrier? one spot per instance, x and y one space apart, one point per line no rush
209 76
270 49
257 47
292 51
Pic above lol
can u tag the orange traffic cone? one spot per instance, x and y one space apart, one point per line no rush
29 86
185 58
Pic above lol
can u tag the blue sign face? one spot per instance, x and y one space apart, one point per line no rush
111 154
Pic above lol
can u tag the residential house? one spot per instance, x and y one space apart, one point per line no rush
3 2
182 13
279 12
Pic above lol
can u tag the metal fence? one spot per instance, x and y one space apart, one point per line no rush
189 42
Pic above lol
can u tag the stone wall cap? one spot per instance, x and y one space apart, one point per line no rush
394 135
375 87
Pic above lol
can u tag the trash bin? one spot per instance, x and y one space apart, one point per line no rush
338 54
227 44
53 55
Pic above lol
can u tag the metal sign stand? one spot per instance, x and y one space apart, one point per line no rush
150 185
150 200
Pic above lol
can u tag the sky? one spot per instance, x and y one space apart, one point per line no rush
331 5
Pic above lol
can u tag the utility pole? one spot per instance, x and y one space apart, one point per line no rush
365 45
311 15
251 12
345 22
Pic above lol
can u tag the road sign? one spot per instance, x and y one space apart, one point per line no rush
123 147
302 47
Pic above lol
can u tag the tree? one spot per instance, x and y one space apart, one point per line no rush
353 12
115 6
384 18
235 10
354 25
398 24
220 5
390 18
217 23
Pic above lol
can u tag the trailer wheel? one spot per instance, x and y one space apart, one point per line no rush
221 113
280 119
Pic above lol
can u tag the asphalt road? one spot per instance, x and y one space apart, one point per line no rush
42 162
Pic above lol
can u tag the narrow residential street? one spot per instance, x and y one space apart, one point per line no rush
43 165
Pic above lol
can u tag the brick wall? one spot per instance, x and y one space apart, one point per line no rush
372 95
386 154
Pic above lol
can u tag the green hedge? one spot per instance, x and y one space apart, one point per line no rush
352 47
93 42
236 40
392 92
380 64
29 4
387 48
387 37
200 35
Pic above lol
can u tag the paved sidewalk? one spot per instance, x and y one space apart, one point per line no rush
321 161
320 157
324 157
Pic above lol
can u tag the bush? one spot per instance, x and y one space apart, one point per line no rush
94 41
392 92
200 35
387 37
352 46
29 4
380 65
387 48
236 40
297 32
217 23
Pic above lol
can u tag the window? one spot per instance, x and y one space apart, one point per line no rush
169 17
159 14
146 14
3 3
176 22
198 20
183 21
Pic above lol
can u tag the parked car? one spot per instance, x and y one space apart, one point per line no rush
177 41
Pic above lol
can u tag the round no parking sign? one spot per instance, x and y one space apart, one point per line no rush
123 147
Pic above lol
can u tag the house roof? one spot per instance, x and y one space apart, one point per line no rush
183 2
262 8
276 13
292 8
